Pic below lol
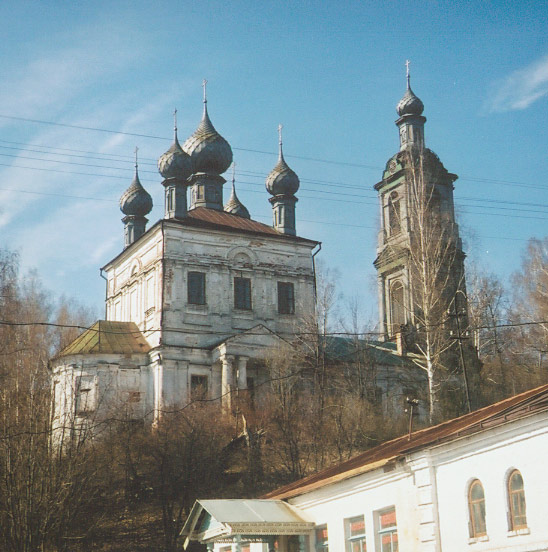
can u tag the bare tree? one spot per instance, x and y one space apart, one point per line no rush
530 313
436 272
174 463
48 493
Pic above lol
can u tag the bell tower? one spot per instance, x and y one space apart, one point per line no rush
420 262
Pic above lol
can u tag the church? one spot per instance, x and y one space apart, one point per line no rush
194 302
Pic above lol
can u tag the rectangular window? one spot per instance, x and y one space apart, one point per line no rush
133 309
133 396
321 538
149 293
85 391
387 530
355 534
286 298
196 288
251 389
242 293
198 387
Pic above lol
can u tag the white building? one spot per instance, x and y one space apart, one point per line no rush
193 302
474 483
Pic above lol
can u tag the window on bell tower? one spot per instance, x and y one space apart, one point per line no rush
394 214
397 307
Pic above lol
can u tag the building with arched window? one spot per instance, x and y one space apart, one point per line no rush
194 301
460 485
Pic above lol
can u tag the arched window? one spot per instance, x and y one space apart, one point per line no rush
397 306
394 216
516 501
476 506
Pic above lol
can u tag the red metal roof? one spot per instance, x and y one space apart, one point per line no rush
514 407
211 218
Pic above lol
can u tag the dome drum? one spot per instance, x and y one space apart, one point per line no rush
206 191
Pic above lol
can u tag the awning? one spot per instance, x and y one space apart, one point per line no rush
241 519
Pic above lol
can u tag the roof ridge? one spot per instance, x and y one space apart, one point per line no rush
394 447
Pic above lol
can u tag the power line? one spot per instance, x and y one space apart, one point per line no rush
306 158
44 169
264 331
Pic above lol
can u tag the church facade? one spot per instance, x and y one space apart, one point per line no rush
192 303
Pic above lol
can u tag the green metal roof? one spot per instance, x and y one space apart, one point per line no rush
346 349
108 337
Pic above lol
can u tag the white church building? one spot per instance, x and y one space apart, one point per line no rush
193 302
475 483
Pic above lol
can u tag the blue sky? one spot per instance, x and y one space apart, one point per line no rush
330 72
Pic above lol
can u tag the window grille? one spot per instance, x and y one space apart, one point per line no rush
196 288
242 293
387 530
321 539
516 501
355 534
476 505
286 298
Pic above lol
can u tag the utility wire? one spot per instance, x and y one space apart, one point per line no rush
266 331
315 159
336 193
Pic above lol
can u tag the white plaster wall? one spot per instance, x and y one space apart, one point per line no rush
365 494
118 378
134 282
489 457
219 255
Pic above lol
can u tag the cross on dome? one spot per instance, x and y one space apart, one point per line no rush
204 86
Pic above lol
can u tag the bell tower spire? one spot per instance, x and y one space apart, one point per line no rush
411 122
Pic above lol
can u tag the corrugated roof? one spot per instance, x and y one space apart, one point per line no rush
108 337
211 218
202 217
514 407
233 511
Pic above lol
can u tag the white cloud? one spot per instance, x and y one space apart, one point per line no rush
521 88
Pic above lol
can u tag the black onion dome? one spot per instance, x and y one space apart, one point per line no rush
235 207
410 104
282 180
209 151
175 163
136 200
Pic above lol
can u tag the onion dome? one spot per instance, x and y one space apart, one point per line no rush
234 206
136 200
409 104
175 163
209 151
282 180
